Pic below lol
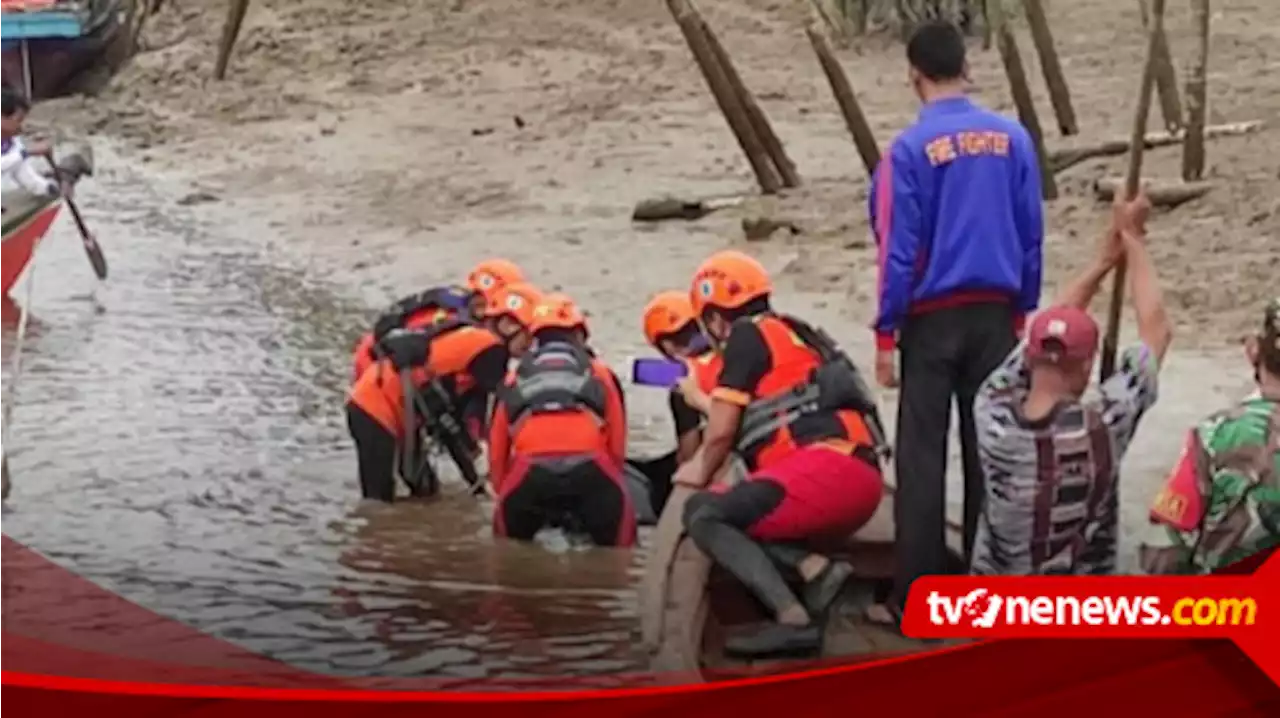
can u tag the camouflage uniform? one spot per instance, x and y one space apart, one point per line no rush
1052 494
1222 502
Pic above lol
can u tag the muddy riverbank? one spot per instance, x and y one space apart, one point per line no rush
178 436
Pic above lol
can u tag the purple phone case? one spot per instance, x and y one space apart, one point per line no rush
655 372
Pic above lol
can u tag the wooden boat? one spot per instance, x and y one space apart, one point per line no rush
688 605
27 219
48 42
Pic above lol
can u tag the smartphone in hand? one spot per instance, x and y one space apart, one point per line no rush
656 372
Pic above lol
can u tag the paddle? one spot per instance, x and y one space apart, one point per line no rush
90 242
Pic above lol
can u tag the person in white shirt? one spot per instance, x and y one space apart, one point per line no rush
17 174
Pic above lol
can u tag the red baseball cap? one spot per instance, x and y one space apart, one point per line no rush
1059 333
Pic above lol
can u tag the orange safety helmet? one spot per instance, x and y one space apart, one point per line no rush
517 301
666 314
728 280
558 311
492 274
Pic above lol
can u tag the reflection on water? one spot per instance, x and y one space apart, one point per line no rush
177 438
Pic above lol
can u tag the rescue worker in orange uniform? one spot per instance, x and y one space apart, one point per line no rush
796 410
671 327
510 315
438 304
559 437
448 370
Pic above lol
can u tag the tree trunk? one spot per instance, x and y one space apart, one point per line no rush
1166 76
1054 78
1021 92
1197 95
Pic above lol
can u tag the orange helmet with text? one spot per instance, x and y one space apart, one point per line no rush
491 275
728 280
517 301
666 314
557 311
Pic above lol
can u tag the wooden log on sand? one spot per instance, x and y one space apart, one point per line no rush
1021 92
230 31
755 114
1166 76
656 210
1054 78
854 118
1197 95
1060 160
726 98
1111 339
1168 195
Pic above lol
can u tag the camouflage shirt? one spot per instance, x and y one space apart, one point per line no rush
1052 501
1222 502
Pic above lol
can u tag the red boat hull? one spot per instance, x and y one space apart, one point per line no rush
20 243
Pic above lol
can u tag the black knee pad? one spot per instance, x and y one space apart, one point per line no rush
701 507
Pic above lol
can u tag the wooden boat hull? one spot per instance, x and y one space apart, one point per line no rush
61 44
24 219
22 236
688 605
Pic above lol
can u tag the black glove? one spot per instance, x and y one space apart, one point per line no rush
406 348
387 323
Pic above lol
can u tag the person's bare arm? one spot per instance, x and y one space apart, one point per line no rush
1154 327
1080 291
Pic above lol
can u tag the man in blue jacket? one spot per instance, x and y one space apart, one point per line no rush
956 210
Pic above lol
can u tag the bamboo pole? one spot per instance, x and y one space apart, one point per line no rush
755 114
1110 341
1197 95
730 106
854 118
1021 92
1054 78
230 31
1166 76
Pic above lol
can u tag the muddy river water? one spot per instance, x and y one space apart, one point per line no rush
177 438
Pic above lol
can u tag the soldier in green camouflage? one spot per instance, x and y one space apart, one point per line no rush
1222 502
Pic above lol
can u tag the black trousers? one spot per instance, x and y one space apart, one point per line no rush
572 495
946 353
376 453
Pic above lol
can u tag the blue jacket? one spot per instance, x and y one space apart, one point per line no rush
956 210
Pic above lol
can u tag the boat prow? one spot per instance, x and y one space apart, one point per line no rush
688 604
27 219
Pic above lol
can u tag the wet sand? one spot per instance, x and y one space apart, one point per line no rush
357 153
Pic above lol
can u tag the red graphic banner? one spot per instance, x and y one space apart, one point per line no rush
93 651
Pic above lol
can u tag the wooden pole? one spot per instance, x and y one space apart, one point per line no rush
1166 77
1197 95
755 114
726 98
1054 78
1111 340
1067 158
1159 194
230 31
1021 92
854 118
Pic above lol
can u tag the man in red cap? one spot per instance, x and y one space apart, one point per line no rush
1050 455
